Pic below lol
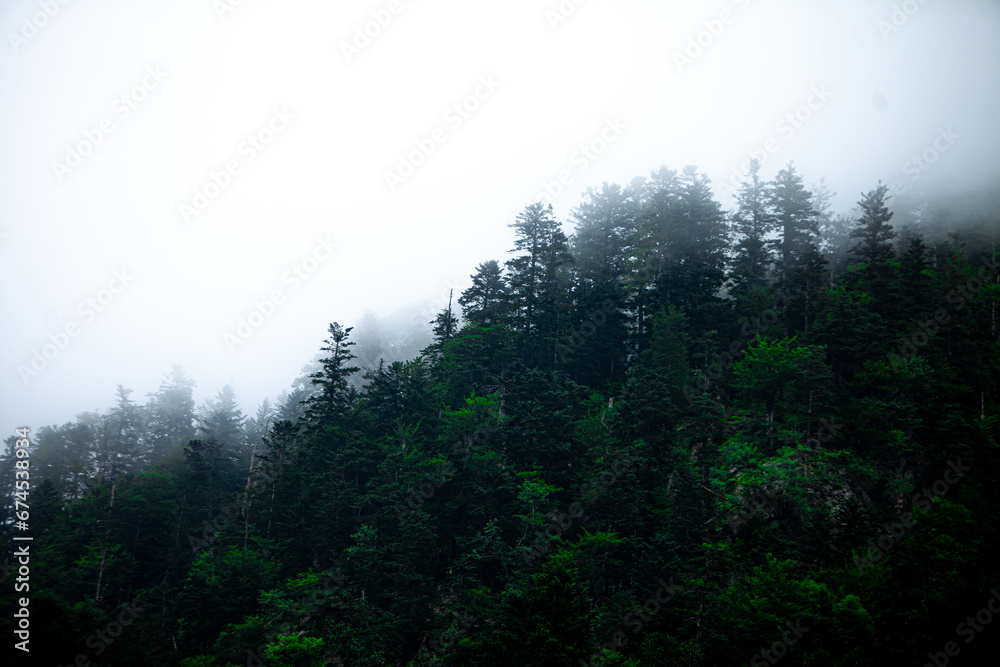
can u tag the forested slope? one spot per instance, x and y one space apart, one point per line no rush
679 435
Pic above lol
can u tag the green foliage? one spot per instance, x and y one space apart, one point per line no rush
221 589
295 651
672 394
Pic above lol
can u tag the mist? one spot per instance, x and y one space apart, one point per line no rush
211 183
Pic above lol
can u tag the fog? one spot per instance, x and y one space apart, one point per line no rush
168 169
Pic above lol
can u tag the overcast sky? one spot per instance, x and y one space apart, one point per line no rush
166 168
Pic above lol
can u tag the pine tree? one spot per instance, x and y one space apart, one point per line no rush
796 220
874 249
255 428
333 396
65 454
834 230
445 326
222 420
682 241
596 345
809 279
873 231
605 226
753 221
536 281
486 302
171 412
277 451
915 285
657 391
123 438
208 475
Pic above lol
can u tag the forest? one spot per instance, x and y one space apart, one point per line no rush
675 435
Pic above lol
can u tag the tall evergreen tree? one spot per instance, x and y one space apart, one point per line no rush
682 242
256 428
915 283
874 249
123 442
605 229
445 326
753 221
656 394
535 277
171 413
873 231
222 423
834 240
486 301
332 400
65 454
796 220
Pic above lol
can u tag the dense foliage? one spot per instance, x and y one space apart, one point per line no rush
679 435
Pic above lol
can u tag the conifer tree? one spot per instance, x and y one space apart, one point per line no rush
536 280
486 301
873 231
222 420
753 221
171 412
681 240
123 437
874 249
333 396
796 220
596 345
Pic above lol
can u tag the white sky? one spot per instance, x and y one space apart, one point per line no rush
890 93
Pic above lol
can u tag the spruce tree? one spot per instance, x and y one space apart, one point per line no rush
222 420
536 281
753 221
171 412
595 348
873 231
682 241
796 221
332 399
874 249
485 303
